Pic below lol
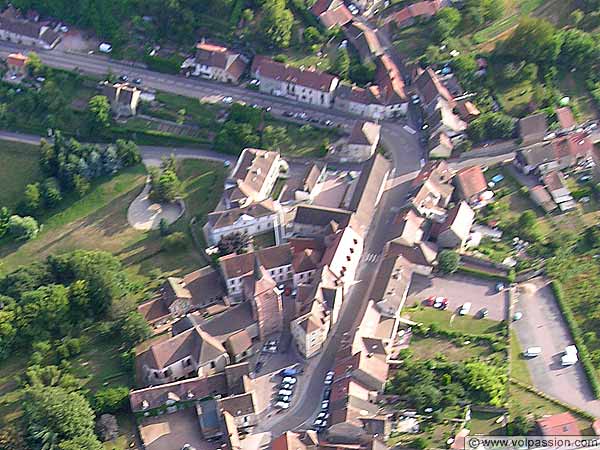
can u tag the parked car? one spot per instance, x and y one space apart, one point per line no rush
285 392
137 81
465 309
440 303
289 372
323 415
123 78
286 386
327 393
325 405
282 405
318 423
570 357
499 287
227 100
284 398
258 366
585 178
329 378
288 114
483 313
290 380
532 352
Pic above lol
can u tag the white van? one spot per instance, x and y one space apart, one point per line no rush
570 356
532 352
465 309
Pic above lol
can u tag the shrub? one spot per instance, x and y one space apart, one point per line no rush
448 261
174 242
23 228
582 349
111 400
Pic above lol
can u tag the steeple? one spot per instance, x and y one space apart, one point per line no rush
257 271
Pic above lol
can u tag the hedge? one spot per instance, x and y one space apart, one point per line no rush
510 277
582 349
170 65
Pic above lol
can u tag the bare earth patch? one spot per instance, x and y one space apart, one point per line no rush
145 215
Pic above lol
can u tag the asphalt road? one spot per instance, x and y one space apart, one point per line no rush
543 326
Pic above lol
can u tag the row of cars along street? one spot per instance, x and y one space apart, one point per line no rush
320 422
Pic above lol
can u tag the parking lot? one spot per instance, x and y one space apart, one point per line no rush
459 289
543 326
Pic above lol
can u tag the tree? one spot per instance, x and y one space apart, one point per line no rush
519 426
312 36
247 15
446 23
237 243
528 227
362 73
111 400
233 137
99 112
579 49
34 65
128 152
535 40
341 64
32 199
420 443
174 242
56 415
87 442
275 138
23 228
51 192
165 186
4 220
486 382
43 312
277 23
576 17
448 261
491 126
135 329
107 427
163 227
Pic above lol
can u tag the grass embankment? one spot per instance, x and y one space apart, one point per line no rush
19 167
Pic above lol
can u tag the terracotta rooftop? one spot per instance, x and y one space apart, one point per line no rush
235 266
559 425
312 79
565 118
470 181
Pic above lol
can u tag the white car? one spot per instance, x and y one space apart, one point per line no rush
323 415
465 309
285 392
289 380
325 405
282 405
227 100
329 377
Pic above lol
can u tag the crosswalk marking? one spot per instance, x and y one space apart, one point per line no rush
372 257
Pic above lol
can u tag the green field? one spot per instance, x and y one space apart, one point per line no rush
19 168
424 348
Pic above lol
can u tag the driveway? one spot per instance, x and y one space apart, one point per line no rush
460 289
173 431
145 215
543 326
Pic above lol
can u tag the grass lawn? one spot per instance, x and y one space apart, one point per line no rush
305 140
485 423
518 363
202 186
264 240
424 348
524 403
448 321
19 168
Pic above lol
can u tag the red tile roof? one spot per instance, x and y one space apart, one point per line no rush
559 425
313 79
336 17
471 181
